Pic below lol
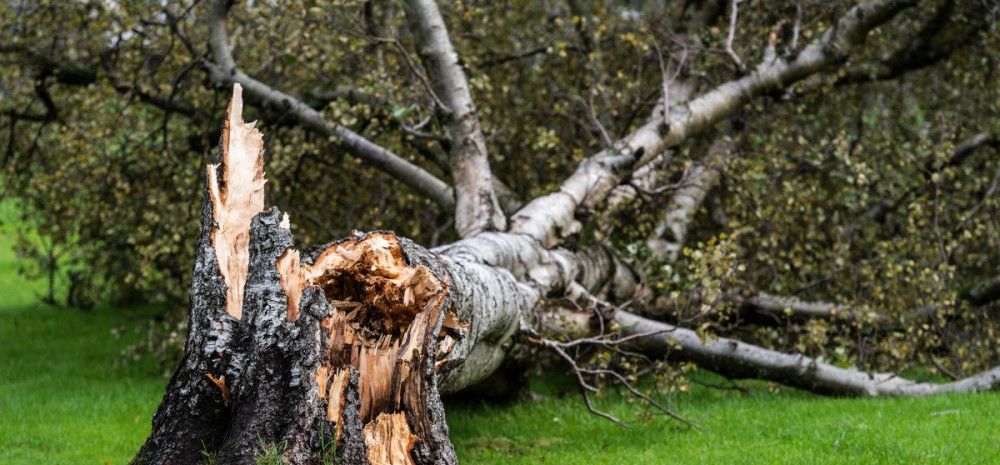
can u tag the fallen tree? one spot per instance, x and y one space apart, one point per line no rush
344 349
348 348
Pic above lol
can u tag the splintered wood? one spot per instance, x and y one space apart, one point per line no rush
220 382
377 365
236 199
394 291
384 312
389 440
336 397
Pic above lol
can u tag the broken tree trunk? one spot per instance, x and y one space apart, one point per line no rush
193 414
343 351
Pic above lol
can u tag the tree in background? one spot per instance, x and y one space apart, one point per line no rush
672 178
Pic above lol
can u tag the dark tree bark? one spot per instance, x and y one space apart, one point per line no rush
194 412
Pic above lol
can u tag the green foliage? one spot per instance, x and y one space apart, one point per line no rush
55 264
114 182
328 449
210 458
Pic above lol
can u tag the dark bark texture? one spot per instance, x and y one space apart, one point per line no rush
267 369
192 416
274 398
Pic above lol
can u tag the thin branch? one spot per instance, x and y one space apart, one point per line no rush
990 192
734 11
645 397
68 73
586 387
962 151
499 60
224 71
796 28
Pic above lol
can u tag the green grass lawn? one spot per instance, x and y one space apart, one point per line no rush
64 396
66 399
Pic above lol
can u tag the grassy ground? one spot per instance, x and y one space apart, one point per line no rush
65 399
763 428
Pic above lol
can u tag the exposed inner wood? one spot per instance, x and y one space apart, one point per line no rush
236 199
322 379
389 440
336 397
220 382
384 312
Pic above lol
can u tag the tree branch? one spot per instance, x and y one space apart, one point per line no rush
962 151
734 359
476 205
985 292
318 99
933 41
65 71
548 217
68 73
224 71
671 232
734 11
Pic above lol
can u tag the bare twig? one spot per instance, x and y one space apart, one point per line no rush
796 28
733 17
586 388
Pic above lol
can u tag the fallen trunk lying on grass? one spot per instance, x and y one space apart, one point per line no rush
347 346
